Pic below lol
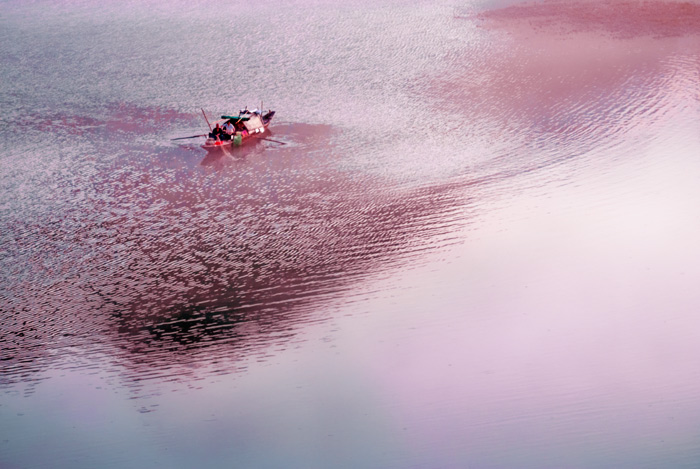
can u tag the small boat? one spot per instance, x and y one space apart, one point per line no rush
247 125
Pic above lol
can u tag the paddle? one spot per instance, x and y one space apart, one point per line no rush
205 118
193 136
276 141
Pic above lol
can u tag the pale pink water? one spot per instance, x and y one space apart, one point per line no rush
475 248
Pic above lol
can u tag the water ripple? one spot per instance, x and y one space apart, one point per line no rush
118 243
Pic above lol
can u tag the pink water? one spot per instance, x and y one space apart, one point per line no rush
474 247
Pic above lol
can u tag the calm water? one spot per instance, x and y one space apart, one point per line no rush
471 241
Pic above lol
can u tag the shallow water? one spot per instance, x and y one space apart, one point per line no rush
470 241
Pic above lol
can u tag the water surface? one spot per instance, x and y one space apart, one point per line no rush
471 241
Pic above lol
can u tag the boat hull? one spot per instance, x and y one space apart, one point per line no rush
239 139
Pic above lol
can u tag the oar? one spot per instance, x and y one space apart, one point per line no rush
205 118
276 141
193 136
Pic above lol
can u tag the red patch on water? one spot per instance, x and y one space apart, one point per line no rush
622 18
576 67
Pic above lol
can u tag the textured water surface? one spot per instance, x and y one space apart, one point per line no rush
468 241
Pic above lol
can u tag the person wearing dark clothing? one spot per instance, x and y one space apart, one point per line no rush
216 132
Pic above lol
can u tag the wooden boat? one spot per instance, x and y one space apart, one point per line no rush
247 124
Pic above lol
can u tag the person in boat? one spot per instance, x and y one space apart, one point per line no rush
228 130
217 132
240 128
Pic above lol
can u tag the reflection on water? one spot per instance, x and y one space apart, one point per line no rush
376 284
172 257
